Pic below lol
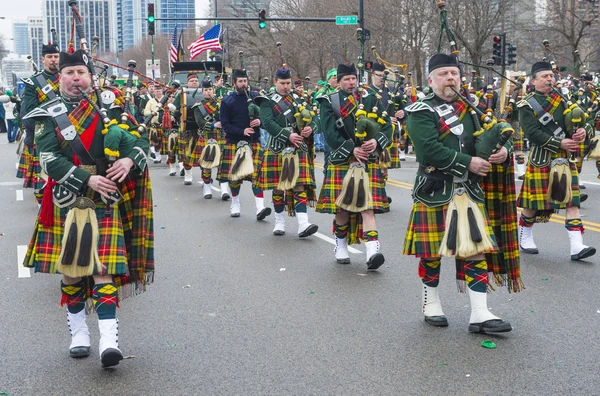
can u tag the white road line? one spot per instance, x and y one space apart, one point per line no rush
590 182
19 195
332 241
15 183
17 165
23 271
215 188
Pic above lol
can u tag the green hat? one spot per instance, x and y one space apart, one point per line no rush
331 73
9 93
320 82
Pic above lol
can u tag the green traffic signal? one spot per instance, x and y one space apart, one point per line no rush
262 25
151 18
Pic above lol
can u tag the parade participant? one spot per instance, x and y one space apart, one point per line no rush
586 101
156 132
238 127
339 112
141 98
448 180
219 88
107 251
39 88
544 190
288 167
330 87
207 117
188 129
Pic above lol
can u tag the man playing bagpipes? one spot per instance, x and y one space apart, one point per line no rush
211 140
588 101
242 154
288 167
39 89
158 138
555 130
353 189
95 225
448 216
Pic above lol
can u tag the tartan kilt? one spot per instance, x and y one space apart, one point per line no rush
535 187
394 154
268 177
203 140
183 145
175 151
31 177
517 139
332 187
227 156
24 160
426 229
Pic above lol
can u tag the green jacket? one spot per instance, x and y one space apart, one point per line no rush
343 142
32 97
277 125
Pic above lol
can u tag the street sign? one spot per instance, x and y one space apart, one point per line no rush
149 71
346 20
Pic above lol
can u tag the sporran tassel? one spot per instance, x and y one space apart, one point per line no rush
242 163
211 156
70 246
172 141
594 148
474 229
559 186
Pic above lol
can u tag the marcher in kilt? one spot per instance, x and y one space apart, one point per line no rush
338 123
587 98
551 145
208 119
39 88
236 123
279 113
116 240
155 131
188 131
442 131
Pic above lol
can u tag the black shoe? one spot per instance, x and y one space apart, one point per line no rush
529 250
345 260
152 155
375 261
438 321
263 213
522 177
389 199
208 196
585 253
490 326
79 352
582 187
311 229
182 173
111 357
225 197
582 197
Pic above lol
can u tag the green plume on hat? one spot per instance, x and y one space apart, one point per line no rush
331 73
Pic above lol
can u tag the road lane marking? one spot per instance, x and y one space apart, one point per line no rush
332 241
23 271
11 183
19 195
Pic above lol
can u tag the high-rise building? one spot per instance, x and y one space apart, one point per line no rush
36 37
173 9
21 38
15 64
128 25
96 21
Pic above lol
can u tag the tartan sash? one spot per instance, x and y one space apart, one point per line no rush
551 103
449 119
211 107
47 89
284 104
349 105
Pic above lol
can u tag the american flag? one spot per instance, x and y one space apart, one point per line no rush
209 40
173 49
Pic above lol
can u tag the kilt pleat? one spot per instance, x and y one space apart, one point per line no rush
30 168
228 155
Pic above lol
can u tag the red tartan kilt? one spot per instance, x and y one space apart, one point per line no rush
535 187
227 156
332 187
427 227
268 178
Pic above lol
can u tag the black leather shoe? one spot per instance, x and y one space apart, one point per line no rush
225 197
182 172
582 187
263 213
529 250
490 326
311 229
438 321
582 197
585 253
389 199
345 260
111 357
375 261
79 352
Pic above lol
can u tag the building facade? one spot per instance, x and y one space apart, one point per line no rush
14 64
21 38
174 9
129 24
36 37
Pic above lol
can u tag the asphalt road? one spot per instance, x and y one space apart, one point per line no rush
235 310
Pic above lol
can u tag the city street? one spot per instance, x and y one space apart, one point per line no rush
235 310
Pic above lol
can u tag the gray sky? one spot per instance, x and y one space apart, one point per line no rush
19 10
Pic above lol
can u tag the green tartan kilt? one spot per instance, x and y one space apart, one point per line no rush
185 154
228 155
332 187
426 229
394 154
535 187
517 139
268 177
164 141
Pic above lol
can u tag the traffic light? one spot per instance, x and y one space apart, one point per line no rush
511 54
151 19
262 19
498 53
368 65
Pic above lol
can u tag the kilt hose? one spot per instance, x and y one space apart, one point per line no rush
125 241
500 195
268 177
535 187
425 232
332 187
228 155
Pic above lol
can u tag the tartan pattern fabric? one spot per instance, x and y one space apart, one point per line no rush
73 296
215 133
394 154
517 139
227 156
30 168
174 152
460 109
80 116
429 272
268 177
349 105
211 107
551 103
42 97
105 298
370 236
535 187
475 275
426 229
574 225
289 101
499 195
183 145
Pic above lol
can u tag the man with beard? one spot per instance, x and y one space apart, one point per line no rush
442 131
286 139
39 88
236 122
105 252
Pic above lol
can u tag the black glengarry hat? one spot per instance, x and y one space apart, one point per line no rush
442 60
49 49
345 69
378 67
540 66
78 58
207 84
239 73
283 73
587 77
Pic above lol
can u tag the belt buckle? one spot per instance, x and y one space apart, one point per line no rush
429 169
